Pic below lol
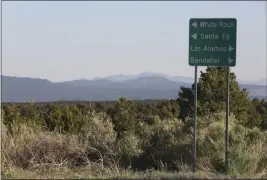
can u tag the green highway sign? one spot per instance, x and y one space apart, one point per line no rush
212 42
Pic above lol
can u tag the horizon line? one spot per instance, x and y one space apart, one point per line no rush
136 74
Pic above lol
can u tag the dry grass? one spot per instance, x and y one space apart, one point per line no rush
83 173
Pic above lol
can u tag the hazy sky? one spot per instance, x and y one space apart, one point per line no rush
71 40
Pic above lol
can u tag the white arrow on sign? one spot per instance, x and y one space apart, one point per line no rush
194 24
230 60
230 48
194 36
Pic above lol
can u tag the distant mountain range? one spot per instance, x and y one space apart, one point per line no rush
139 87
184 79
117 78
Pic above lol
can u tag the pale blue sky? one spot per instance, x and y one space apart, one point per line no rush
72 40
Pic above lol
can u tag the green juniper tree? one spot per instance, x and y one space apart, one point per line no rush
212 97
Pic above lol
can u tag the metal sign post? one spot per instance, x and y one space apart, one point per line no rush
212 42
195 123
227 120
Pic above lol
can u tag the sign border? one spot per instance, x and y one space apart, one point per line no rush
191 19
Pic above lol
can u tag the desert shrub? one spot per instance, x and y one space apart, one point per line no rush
124 116
97 134
97 130
163 144
31 149
38 150
128 147
10 116
246 148
67 135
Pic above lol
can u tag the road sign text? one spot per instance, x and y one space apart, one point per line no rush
212 42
